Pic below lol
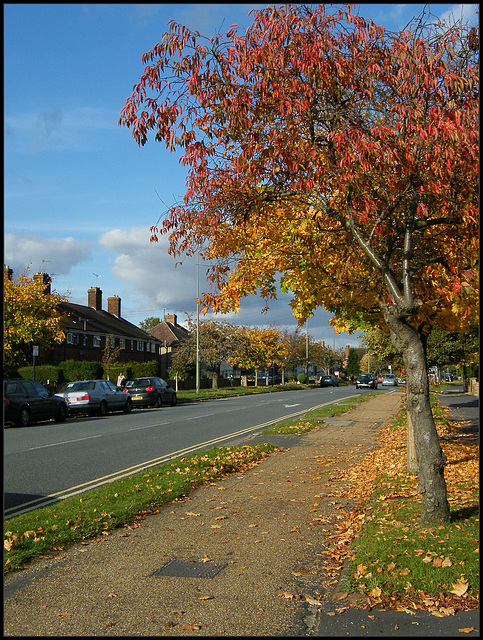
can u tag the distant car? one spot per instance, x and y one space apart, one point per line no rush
366 380
389 380
27 401
329 381
95 396
150 392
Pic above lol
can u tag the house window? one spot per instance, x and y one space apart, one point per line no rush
122 343
140 345
72 338
153 347
96 341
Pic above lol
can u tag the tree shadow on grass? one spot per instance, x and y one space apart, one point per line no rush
464 513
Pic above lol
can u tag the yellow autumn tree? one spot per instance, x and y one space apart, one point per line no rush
31 318
257 349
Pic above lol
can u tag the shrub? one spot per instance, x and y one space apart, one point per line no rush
43 373
134 369
301 378
81 370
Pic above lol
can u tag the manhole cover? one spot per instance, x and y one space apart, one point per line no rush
336 422
190 569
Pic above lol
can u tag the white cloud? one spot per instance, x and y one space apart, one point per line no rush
463 12
54 255
149 267
158 284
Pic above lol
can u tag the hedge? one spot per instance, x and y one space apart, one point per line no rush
71 370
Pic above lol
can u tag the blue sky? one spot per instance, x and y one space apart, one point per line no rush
79 195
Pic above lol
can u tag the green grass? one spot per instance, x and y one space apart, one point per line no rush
395 554
122 502
398 560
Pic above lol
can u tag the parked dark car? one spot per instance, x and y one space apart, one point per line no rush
366 380
329 381
26 401
94 396
150 392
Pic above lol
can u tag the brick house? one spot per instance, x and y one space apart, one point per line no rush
170 334
86 329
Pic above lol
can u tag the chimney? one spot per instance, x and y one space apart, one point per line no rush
347 349
7 272
45 279
171 318
94 298
114 306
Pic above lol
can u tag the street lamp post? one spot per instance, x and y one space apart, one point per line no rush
198 322
307 351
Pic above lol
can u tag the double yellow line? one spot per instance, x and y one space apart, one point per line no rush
111 477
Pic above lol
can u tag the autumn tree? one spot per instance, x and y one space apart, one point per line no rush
258 349
336 161
452 348
30 318
214 348
294 343
381 350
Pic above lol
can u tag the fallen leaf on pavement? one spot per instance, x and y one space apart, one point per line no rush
192 627
312 601
467 630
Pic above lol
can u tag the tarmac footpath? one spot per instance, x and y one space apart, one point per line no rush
221 562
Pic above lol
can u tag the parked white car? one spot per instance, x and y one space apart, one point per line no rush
94 396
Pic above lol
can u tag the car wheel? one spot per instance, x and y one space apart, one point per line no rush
128 407
159 402
174 401
61 414
23 419
103 408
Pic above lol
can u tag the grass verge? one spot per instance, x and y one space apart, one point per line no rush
123 502
393 561
227 392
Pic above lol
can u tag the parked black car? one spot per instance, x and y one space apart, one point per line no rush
26 401
368 380
329 381
150 392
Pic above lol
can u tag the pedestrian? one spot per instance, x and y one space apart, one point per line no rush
121 380
352 378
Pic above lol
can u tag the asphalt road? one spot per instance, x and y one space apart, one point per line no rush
46 462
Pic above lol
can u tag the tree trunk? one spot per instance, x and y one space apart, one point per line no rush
412 458
431 460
